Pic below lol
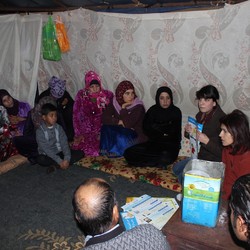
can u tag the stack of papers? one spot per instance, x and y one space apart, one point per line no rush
148 210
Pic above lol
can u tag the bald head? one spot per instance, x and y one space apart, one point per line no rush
94 202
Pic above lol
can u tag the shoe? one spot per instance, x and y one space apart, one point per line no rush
51 169
32 161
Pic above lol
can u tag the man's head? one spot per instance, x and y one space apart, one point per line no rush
240 208
49 114
95 206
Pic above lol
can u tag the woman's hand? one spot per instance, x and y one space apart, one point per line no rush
78 139
188 128
16 119
120 123
202 137
126 104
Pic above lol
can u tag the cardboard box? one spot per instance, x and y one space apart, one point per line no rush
201 192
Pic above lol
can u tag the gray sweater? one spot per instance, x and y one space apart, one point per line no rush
142 237
51 141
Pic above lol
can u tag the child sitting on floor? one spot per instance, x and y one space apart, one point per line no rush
52 142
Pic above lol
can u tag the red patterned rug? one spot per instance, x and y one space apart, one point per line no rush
119 166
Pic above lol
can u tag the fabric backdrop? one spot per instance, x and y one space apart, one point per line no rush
184 50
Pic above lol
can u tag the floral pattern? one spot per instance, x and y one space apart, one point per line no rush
118 166
51 240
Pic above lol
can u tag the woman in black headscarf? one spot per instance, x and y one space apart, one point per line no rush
162 125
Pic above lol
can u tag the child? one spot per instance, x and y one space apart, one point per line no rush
52 142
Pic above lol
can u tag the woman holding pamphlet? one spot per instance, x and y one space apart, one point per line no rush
209 116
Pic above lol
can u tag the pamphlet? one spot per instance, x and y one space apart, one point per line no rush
148 210
195 144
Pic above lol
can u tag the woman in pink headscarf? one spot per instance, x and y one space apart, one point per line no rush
88 107
122 121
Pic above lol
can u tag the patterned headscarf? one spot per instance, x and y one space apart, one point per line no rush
92 76
121 89
57 87
13 110
100 97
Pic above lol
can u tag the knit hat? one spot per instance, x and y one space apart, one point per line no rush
57 87
92 78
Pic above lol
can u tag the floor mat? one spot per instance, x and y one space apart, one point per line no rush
119 166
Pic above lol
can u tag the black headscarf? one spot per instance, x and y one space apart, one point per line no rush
161 90
13 110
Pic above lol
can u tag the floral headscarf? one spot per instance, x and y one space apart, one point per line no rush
57 87
121 89
100 98
119 92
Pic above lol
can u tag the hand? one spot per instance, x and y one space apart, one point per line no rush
16 119
78 139
188 128
126 104
202 137
64 164
120 123
64 102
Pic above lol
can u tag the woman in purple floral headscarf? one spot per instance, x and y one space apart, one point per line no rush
88 107
17 111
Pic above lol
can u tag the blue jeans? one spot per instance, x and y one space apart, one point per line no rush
178 168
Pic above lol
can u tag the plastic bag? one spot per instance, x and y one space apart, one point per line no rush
51 49
61 34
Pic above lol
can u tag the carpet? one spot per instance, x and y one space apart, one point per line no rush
36 207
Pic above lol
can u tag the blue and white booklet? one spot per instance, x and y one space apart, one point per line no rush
148 210
194 143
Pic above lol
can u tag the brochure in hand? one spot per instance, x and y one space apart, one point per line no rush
148 210
195 144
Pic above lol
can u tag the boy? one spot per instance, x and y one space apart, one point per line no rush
240 208
52 142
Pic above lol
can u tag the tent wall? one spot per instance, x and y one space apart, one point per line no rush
184 50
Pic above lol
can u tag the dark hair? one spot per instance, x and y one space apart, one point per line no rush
207 92
94 82
48 107
240 201
102 215
238 126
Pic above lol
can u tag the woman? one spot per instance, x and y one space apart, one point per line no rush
162 125
209 115
6 146
65 103
122 121
235 137
17 111
88 108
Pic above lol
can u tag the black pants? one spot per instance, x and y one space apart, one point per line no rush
45 160
151 154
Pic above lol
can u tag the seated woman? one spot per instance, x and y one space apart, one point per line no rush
122 121
65 103
17 111
88 108
7 148
209 115
162 125
235 137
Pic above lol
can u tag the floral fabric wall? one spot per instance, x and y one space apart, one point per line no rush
184 50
